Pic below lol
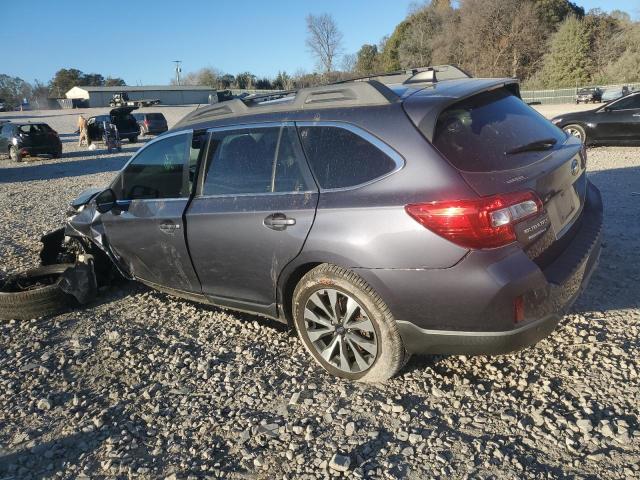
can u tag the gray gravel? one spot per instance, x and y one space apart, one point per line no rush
139 384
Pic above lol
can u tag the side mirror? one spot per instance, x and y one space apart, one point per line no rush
106 201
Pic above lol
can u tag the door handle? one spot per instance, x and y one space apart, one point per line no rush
278 221
636 115
169 227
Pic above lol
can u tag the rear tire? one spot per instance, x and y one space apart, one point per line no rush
366 346
576 131
133 139
38 301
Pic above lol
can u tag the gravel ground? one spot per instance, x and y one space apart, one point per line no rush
139 384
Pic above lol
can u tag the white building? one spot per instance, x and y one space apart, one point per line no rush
167 94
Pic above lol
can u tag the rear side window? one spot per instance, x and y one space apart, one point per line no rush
254 161
475 134
340 158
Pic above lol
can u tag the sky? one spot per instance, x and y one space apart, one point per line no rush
137 40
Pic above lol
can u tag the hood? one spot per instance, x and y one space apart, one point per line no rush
576 115
121 111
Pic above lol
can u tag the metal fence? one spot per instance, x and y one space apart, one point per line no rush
565 95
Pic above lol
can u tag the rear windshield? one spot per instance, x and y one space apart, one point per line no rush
475 134
157 117
35 128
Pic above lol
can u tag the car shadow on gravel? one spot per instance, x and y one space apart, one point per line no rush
100 150
74 168
614 285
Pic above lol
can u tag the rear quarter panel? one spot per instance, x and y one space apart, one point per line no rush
367 226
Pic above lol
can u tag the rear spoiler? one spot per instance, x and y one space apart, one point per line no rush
424 110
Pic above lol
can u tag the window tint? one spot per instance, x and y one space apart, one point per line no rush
475 134
35 128
627 103
340 158
259 160
158 171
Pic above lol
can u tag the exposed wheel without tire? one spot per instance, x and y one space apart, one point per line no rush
14 154
346 326
576 131
34 293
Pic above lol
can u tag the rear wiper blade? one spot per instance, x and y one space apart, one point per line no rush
544 144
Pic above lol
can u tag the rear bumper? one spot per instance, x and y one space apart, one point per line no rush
419 340
154 130
469 308
40 150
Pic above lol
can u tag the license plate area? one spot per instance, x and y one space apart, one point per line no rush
562 210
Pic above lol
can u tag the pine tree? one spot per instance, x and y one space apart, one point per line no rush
568 62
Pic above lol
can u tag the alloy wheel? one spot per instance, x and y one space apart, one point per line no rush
574 131
340 330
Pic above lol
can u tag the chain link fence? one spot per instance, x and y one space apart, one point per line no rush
566 95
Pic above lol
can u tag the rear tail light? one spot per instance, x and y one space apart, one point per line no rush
146 123
485 222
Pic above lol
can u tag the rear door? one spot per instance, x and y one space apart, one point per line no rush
251 214
485 138
147 233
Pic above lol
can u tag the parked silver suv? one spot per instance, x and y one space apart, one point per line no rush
382 217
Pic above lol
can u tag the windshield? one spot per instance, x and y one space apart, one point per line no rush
476 134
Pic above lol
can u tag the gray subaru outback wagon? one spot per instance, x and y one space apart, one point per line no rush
417 212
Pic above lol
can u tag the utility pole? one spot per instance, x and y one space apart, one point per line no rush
178 70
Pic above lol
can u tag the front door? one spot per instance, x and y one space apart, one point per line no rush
251 214
620 120
146 232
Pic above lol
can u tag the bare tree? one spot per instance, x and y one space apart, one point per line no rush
324 40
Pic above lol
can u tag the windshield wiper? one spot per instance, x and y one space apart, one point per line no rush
544 144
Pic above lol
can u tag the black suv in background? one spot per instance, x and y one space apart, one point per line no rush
151 123
121 117
20 140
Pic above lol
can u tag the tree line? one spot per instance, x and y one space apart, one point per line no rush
13 90
545 43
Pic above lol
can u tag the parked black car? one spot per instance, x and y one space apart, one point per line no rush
151 123
617 122
121 117
589 95
20 140
379 218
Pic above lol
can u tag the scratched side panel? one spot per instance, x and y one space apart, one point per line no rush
149 252
235 254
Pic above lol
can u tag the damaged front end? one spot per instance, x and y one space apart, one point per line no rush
82 242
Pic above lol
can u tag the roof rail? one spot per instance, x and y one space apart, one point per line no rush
413 75
354 94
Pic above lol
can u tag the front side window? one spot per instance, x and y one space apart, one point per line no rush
627 103
340 158
157 172
254 161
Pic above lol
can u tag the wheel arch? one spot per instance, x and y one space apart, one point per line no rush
289 279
